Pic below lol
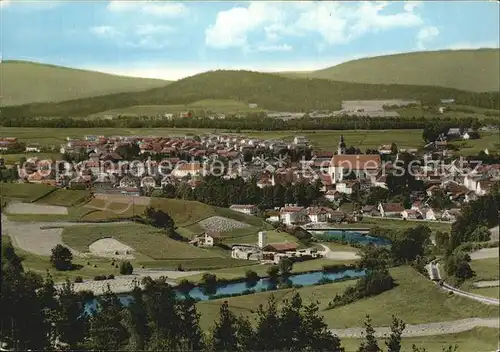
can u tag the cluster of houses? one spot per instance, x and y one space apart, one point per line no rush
260 250
340 175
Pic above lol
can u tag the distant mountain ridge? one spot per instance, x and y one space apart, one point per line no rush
26 82
475 70
269 91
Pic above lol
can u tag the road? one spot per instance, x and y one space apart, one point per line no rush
435 273
429 329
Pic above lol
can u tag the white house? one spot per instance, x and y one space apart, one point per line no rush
206 240
363 166
291 214
431 214
245 209
33 148
411 214
317 214
347 187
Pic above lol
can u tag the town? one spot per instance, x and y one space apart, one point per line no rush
255 176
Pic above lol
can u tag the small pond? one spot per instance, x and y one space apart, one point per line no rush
306 279
353 236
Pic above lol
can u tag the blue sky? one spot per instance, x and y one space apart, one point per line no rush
172 40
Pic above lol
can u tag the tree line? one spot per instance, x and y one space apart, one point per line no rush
223 193
236 124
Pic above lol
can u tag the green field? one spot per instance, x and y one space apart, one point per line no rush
485 269
65 197
415 299
27 82
222 106
478 69
148 241
25 191
458 111
477 340
11 159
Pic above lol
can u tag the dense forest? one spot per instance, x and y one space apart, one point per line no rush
252 123
269 91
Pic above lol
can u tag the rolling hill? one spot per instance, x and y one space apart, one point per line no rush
269 91
472 70
26 82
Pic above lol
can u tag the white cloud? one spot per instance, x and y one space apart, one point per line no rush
153 8
426 35
271 47
109 32
412 5
149 29
334 22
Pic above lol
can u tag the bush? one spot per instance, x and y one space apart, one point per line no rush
78 279
61 258
111 277
126 268
100 278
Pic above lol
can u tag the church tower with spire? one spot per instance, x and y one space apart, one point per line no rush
342 147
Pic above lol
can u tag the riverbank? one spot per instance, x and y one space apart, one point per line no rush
126 283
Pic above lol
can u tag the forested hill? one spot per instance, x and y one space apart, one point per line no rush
473 70
25 82
269 91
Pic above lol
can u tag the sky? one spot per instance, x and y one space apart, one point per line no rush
172 40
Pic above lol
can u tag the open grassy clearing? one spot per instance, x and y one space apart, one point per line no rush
478 340
261 269
146 240
11 159
247 305
225 106
433 112
485 269
485 291
25 191
27 82
65 197
416 300
488 140
74 214
193 263
478 69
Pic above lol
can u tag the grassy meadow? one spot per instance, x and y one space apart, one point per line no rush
479 70
226 106
415 299
28 82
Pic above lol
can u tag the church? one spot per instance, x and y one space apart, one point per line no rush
363 166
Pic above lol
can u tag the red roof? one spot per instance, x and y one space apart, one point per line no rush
281 247
356 162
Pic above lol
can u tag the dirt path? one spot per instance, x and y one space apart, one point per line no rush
338 255
429 329
38 209
485 253
492 283
39 237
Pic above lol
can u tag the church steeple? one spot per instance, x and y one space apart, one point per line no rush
342 147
